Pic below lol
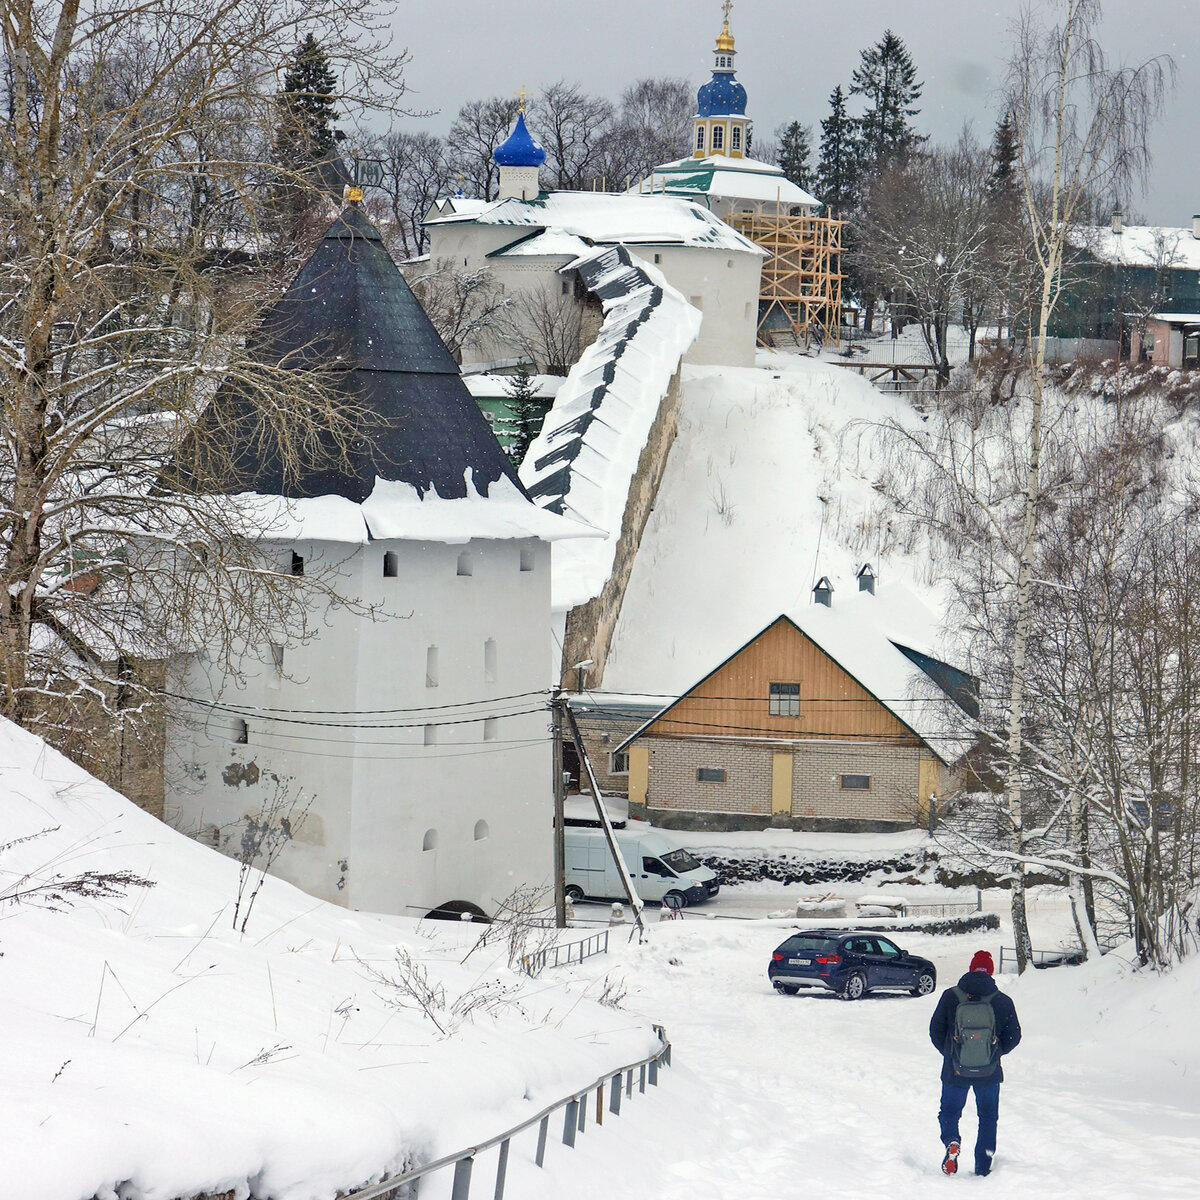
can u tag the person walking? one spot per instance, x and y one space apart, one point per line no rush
973 1026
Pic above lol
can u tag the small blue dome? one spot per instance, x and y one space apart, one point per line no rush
722 96
520 148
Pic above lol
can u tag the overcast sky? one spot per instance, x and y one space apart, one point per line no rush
791 54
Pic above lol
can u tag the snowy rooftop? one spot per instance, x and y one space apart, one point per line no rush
1141 245
606 218
863 634
583 461
728 178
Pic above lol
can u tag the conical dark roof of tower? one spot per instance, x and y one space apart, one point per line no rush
350 309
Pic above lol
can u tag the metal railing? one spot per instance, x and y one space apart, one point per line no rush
1041 958
961 909
619 1083
566 952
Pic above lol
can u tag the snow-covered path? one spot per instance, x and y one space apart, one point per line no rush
774 1096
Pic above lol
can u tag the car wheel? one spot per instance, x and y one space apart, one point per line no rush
675 899
786 989
855 987
924 985
574 894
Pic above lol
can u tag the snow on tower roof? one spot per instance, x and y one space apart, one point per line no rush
421 435
725 178
608 218
585 458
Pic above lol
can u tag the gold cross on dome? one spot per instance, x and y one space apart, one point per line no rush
522 95
727 6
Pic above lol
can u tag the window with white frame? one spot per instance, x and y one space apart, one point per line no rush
718 137
699 137
618 762
784 700
735 138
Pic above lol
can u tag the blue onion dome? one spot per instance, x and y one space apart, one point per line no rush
520 148
722 96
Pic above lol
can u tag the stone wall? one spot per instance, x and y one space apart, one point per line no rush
590 626
676 798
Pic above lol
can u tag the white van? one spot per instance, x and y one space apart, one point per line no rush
658 868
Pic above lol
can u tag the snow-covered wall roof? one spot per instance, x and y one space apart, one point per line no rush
584 460
605 218
398 510
1162 246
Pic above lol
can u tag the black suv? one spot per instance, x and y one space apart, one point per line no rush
848 962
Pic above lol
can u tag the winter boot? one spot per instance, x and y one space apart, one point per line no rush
950 1162
983 1163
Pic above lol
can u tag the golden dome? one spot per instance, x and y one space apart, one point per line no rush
725 38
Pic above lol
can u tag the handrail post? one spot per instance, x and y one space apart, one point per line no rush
502 1169
582 1107
654 1072
462 1178
543 1130
614 1095
570 1122
642 1078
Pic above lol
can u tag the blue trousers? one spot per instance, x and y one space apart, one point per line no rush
987 1106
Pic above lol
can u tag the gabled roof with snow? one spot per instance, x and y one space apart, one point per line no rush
605 218
418 431
888 644
719 177
584 460
1159 246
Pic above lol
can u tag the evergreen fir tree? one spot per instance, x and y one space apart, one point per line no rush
838 166
307 130
795 149
887 77
528 413
1003 176
305 147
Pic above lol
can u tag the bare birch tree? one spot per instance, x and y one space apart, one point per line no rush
1082 128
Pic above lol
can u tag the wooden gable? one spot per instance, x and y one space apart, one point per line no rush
735 700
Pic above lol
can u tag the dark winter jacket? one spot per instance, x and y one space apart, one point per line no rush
941 1028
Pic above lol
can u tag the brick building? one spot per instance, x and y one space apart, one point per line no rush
833 718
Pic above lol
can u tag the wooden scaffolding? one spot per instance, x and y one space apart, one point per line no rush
801 293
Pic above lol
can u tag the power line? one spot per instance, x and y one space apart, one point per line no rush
474 719
232 706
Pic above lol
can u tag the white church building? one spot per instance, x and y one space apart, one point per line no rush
413 728
527 240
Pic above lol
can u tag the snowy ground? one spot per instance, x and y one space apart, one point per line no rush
770 483
152 1052
776 1096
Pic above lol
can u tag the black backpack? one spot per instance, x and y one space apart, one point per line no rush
975 1048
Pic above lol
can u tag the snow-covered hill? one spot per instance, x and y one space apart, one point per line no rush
769 485
151 1051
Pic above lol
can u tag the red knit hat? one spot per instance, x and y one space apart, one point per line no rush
983 962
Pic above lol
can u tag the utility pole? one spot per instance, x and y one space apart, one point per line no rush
585 763
557 703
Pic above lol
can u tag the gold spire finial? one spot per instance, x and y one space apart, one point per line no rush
522 95
725 38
